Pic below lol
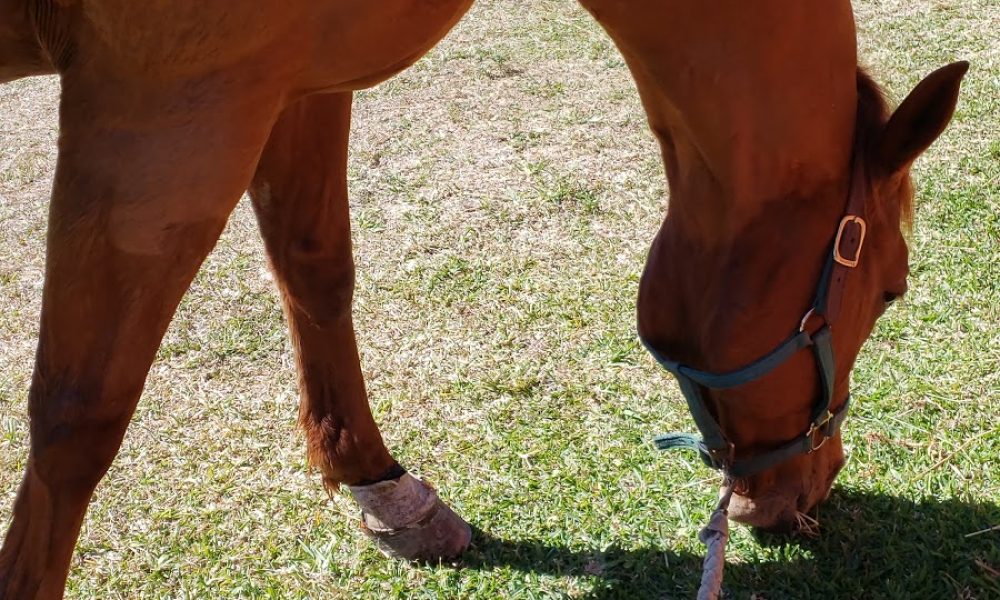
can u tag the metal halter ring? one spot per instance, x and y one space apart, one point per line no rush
805 319
722 457
816 427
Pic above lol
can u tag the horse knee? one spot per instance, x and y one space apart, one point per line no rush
75 435
321 288
75 456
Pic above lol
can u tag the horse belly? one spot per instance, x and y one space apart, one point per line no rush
360 43
178 37
20 53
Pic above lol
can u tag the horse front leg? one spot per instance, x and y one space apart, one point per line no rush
300 196
139 199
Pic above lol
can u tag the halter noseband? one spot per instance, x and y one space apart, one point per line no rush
715 449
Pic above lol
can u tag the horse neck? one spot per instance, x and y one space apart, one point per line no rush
726 169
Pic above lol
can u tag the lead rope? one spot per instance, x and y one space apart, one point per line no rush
714 536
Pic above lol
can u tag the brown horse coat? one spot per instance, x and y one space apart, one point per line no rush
170 110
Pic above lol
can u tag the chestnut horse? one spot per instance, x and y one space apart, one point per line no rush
171 109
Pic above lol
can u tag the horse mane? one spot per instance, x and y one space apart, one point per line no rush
872 115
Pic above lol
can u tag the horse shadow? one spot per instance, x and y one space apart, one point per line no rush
872 546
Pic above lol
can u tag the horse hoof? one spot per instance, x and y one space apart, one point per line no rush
407 520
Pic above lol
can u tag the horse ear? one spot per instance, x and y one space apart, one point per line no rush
921 118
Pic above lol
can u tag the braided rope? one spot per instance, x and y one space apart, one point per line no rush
714 536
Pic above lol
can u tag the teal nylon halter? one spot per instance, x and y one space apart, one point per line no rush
713 446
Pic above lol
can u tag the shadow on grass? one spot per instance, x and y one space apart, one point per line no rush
872 546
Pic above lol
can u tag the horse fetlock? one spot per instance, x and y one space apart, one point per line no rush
407 520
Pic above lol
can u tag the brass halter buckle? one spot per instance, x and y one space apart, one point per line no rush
840 258
815 427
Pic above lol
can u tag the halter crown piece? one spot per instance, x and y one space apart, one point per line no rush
814 331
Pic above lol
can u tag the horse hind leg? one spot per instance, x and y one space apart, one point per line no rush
300 196
136 207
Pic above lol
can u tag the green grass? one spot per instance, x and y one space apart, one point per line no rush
504 193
